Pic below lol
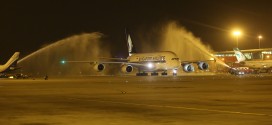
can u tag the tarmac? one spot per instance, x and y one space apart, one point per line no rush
145 100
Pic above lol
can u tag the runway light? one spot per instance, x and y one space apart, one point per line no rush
62 62
236 33
260 37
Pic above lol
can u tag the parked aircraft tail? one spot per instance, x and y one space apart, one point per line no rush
239 55
11 64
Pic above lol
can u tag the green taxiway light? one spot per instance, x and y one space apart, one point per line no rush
63 62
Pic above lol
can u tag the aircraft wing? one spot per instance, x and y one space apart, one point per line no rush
120 59
196 61
100 58
104 62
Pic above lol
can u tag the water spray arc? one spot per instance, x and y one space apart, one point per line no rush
177 39
78 47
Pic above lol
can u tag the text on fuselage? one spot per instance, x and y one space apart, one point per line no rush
152 58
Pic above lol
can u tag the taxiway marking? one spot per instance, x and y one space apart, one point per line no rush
181 107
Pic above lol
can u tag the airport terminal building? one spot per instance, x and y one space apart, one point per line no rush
253 54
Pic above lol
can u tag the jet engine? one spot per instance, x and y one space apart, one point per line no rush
203 65
126 68
188 68
99 67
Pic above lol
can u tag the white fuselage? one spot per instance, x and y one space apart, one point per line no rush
6 67
258 64
157 61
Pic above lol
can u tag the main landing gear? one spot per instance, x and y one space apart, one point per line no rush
141 74
164 73
154 74
146 74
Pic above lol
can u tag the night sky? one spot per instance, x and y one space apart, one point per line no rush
26 26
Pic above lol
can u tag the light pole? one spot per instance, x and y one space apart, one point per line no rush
260 37
237 34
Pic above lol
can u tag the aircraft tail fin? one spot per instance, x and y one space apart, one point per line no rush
239 55
11 64
131 48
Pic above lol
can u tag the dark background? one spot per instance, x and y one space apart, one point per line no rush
26 26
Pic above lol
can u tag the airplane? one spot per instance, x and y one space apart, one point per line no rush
147 62
11 64
257 65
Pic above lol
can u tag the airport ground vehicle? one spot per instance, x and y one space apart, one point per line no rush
240 70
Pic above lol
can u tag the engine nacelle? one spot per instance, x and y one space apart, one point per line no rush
99 67
203 65
188 68
127 68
